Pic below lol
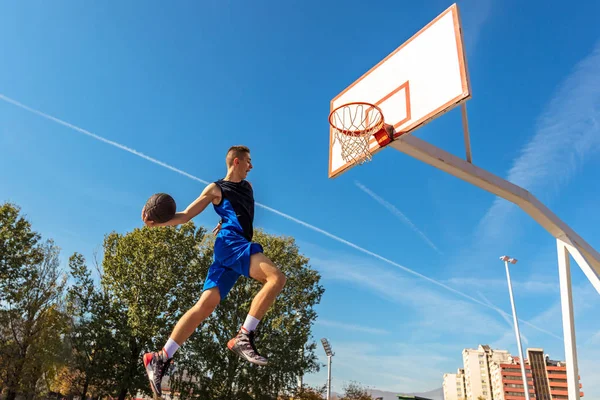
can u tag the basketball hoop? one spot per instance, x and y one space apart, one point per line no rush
354 124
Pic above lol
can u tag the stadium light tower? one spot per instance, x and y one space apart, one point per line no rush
511 260
330 354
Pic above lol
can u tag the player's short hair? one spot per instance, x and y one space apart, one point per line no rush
235 152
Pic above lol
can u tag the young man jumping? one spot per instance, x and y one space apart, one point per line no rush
234 255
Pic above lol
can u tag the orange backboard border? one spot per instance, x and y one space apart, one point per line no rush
465 95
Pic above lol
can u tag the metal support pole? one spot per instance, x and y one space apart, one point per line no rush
466 133
517 332
328 377
566 300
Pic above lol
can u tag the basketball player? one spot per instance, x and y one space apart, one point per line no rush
234 254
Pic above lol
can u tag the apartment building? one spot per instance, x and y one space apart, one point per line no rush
496 375
507 380
478 375
454 386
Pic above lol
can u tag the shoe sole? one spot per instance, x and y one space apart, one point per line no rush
231 346
150 375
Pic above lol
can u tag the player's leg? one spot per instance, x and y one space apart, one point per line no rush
219 282
156 363
265 271
209 300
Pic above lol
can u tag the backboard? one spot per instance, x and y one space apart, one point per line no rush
423 78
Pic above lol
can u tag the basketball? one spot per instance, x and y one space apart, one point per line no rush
160 207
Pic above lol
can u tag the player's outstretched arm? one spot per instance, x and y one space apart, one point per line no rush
210 194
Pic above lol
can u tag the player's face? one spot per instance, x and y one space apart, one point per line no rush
244 165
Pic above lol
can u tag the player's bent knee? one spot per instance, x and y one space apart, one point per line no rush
209 299
279 279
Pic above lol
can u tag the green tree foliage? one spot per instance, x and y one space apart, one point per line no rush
19 247
91 336
87 339
149 275
32 319
283 335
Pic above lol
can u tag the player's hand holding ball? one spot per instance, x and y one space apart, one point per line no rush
159 209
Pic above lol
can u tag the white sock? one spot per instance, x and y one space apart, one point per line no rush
250 323
170 348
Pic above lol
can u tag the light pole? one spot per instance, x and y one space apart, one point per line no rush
300 377
511 260
330 354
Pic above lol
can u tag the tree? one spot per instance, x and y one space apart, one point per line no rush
90 337
32 317
354 391
19 247
66 380
90 341
283 334
148 274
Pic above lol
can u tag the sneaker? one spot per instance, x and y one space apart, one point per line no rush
156 367
243 345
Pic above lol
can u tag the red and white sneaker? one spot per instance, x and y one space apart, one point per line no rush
156 365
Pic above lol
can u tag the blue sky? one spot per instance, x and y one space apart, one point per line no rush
182 83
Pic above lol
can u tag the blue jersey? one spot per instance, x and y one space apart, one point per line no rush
233 244
236 207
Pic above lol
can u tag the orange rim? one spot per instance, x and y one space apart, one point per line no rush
359 132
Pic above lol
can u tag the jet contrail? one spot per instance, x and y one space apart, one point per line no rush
100 138
282 214
391 208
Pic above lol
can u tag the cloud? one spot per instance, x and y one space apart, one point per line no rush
391 208
586 302
351 327
566 134
389 365
437 313
474 14
385 365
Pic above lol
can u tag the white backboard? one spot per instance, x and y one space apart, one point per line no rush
423 78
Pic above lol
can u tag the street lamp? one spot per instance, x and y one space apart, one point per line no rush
511 260
330 354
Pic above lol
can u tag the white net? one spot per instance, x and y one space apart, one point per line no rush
354 124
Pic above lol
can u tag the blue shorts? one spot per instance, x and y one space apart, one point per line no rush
231 260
